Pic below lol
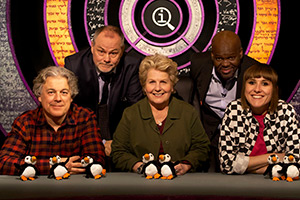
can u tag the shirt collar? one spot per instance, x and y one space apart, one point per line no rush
146 112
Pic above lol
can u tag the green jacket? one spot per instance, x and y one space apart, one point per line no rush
137 133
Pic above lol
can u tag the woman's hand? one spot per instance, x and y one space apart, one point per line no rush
136 166
181 169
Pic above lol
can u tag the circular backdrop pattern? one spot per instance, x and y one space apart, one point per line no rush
161 19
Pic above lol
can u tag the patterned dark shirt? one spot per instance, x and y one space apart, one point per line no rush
239 132
32 135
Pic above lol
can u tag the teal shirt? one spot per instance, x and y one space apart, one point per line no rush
183 136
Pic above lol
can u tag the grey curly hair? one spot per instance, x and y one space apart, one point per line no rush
55 71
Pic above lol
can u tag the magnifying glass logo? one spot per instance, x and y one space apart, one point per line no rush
160 11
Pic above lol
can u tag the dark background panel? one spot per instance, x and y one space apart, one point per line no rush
28 37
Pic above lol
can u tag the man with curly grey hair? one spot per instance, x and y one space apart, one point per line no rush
56 127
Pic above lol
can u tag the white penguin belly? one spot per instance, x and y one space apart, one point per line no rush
151 170
96 169
59 171
275 170
292 171
29 172
166 171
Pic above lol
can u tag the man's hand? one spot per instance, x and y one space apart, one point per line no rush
73 165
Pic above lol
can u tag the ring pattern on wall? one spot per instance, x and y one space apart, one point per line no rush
171 27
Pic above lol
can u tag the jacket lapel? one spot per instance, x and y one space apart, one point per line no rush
173 114
146 114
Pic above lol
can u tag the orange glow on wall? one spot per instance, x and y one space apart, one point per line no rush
266 27
57 30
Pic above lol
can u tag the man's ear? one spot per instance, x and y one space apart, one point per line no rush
241 53
212 55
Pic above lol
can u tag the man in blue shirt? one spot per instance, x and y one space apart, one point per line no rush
217 76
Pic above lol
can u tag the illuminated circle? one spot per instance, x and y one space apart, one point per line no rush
173 47
165 19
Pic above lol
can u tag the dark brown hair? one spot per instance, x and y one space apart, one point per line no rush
267 72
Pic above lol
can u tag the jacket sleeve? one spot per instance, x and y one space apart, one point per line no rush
121 149
293 131
231 159
199 148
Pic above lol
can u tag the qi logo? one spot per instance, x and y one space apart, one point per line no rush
161 21
157 26
165 20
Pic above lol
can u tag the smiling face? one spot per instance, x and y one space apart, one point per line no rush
258 92
226 54
55 98
107 50
158 88
226 62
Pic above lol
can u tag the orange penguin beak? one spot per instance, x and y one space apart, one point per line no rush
86 160
291 158
161 157
33 159
147 157
54 159
274 159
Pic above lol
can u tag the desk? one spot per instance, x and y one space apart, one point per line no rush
131 185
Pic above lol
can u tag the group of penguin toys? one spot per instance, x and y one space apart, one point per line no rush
163 169
287 170
59 171
92 169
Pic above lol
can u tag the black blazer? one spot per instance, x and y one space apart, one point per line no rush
201 72
125 88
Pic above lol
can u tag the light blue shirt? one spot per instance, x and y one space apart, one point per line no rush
218 97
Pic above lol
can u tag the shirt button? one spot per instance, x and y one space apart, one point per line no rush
167 142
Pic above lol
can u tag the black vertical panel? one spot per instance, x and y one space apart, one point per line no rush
28 37
77 22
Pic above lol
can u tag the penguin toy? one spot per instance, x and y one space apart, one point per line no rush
150 169
290 168
92 169
274 167
167 169
58 169
28 171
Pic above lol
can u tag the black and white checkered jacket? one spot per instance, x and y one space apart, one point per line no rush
239 132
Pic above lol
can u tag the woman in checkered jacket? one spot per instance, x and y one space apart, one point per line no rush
257 125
